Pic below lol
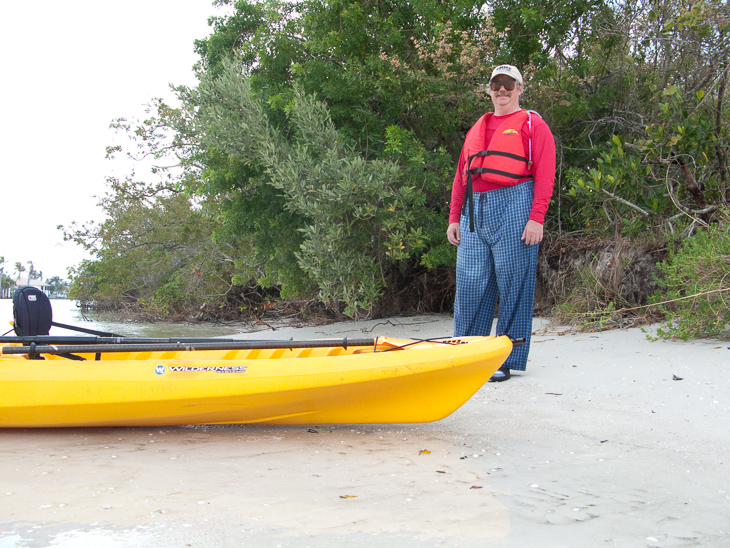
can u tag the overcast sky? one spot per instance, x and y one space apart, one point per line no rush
69 69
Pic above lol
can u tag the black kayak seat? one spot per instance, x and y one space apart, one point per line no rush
32 312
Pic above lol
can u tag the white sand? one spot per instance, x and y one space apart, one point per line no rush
594 445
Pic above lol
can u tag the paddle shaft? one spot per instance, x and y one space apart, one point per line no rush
34 348
63 339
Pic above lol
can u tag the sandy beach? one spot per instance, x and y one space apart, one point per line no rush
608 439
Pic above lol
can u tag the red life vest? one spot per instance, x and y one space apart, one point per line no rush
504 161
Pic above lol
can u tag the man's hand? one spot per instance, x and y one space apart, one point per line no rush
453 233
533 233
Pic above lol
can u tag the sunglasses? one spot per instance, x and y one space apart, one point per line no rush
509 85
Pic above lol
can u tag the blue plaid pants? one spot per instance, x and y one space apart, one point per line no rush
494 265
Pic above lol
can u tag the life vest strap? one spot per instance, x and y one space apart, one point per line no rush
469 196
478 170
499 153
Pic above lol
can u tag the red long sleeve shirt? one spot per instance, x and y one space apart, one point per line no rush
543 169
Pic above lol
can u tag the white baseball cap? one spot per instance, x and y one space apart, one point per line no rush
507 70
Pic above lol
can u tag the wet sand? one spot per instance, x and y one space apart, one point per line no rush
607 439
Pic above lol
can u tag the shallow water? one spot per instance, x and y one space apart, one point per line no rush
66 536
66 312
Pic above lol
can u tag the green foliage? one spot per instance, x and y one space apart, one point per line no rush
537 28
696 278
686 135
665 164
637 186
613 84
5 280
617 193
155 253
357 214
427 171
255 212
416 65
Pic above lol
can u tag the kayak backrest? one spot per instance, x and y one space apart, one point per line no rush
32 312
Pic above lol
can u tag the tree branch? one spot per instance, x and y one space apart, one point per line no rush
625 202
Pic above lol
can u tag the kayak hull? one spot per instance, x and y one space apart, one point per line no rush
421 382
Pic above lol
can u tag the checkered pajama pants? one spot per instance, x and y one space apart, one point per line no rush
494 265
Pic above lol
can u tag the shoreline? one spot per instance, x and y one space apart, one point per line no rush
607 438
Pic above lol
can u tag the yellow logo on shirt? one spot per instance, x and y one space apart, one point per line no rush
509 132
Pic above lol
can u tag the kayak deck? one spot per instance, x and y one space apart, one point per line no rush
395 381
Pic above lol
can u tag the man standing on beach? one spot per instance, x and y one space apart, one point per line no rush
500 195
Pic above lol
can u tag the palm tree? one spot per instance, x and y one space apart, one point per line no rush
2 274
57 285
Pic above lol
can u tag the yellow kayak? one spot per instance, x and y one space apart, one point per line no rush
391 381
